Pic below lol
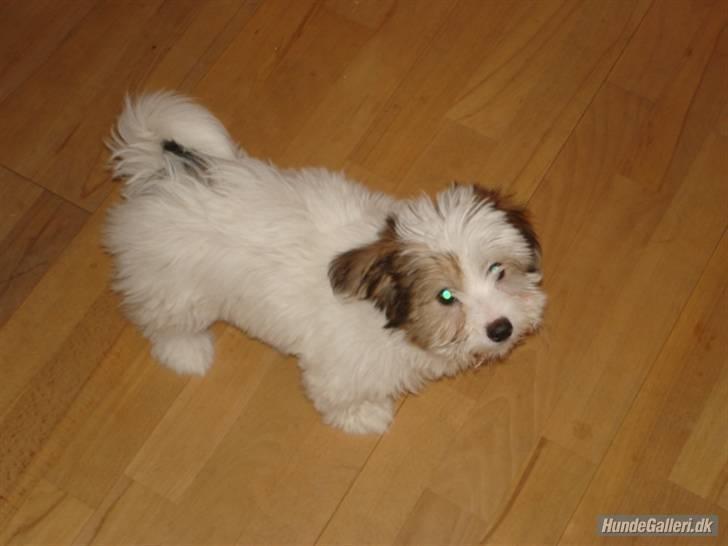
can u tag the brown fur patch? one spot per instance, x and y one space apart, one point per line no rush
403 282
517 216
369 273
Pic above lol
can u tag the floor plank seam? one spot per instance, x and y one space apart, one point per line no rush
67 36
422 50
601 462
349 488
588 106
43 188
209 48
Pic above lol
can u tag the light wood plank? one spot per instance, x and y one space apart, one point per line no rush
121 405
279 440
109 523
360 95
505 78
176 65
387 490
543 500
29 422
723 499
66 292
17 196
251 56
434 520
617 153
205 410
372 14
648 165
42 227
658 410
209 30
456 154
665 43
488 454
30 31
113 52
533 90
600 398
702 460
48 516
272 106
410 117
664 497
60 106
313 482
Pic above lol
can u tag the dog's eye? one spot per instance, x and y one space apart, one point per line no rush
445 297
497 269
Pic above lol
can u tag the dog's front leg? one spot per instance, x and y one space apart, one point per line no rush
367 417
344 406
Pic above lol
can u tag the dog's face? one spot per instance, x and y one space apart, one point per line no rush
460 275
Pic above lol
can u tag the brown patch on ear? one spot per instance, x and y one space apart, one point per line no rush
370 273
404 285
517 216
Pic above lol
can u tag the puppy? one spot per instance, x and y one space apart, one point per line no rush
375 296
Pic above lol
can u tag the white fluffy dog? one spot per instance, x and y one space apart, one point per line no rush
374 295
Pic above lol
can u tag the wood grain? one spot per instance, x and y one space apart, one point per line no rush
206 409
32 31
36 228
48 516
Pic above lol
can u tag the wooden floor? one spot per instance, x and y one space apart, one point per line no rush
609 117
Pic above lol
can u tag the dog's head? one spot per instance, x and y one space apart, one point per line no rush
460 276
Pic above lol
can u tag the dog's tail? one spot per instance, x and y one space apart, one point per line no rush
157 131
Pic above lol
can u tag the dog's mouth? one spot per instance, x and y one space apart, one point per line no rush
479 357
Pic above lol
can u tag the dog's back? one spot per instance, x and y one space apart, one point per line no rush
206 232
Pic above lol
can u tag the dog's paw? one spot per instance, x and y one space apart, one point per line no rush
185 354
364 418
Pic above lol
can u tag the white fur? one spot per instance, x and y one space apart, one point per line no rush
248 243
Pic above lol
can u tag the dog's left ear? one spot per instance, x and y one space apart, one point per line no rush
518 217
370 273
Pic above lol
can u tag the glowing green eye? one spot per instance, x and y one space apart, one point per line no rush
498 270
445 297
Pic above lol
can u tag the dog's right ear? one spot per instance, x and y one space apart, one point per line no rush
518 217
370 273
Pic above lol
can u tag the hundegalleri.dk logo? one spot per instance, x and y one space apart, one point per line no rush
624 525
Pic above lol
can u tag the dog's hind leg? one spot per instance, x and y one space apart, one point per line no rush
178 333
185 353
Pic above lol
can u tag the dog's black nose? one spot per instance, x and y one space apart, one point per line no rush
499 330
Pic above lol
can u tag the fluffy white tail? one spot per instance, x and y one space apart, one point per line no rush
151 121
